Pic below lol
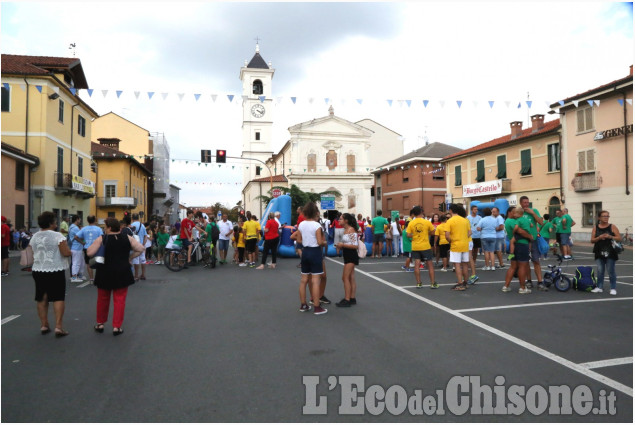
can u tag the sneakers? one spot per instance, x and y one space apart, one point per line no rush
242 265
252 265
353 301
5 274
510 257
567 258
524 291
501 266
404 268
613 292
529 284
325 300
419 285
75 279
597 290
459 287
444 269
486 268
542 287
411 270
506 289
343 303
434 285
319 310
304 307
472 280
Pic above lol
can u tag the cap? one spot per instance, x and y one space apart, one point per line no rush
4 219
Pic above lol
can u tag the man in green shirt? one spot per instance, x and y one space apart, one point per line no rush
556 225
517 228
565 234
212 237
533 217
379 225
64 226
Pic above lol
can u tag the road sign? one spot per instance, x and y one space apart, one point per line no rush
220 214
327 202
276 192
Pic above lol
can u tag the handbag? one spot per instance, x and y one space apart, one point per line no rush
617 246
26 257
99 258
362 252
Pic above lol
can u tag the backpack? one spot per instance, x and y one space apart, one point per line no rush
361 249
584 279
215 232
543 245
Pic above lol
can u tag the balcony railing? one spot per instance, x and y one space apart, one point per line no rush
586 182
115 201
70 185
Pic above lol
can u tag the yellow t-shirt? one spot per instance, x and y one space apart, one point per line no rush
251 229
458 228
420 228
241 240
440 232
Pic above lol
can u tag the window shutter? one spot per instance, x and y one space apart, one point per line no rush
580 115
581 161
588 118
525 162
502 167
480 171
590 160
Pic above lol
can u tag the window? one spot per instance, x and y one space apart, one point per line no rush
586 160
110 190
258 170
388 179
311 159
525 162
60 167
480 170
60 113
126 188
438 174
406 203
389 204
590 212
111 214
350 163
457 176
81 126
331 160
257 135
553 156
19 216
6 99
19 176
404 176
585 119
501 161
80 166
257 87
379 193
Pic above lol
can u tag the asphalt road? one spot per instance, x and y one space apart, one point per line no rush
229 345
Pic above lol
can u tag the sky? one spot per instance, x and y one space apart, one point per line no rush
359 55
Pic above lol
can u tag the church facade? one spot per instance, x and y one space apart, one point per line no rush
326 153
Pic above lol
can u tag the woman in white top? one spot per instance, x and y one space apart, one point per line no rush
311 237
50 250
349 243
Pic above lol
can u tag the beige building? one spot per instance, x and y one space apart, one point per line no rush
524 162
597 145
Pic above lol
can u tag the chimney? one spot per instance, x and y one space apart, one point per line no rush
537 122
111 142
517 128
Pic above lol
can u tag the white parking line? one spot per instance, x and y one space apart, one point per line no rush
551 356
85 284
8 319
466 310
609 362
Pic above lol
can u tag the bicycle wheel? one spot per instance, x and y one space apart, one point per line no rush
175 260
562 283
205 258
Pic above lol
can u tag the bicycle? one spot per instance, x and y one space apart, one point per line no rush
176 258
555 276
627 238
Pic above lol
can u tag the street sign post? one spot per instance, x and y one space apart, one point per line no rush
276 192
327 202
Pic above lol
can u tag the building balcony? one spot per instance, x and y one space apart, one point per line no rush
115 201
70 185
584 182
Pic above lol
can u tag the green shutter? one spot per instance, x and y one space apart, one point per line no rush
525 162
457 176
502 167
480 171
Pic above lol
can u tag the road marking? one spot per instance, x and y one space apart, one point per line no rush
551 356
84 284
610 362
8 319
465 310
624 283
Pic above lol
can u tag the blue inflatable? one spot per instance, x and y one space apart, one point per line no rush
501 204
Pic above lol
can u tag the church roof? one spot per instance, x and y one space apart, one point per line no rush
257 62
434 150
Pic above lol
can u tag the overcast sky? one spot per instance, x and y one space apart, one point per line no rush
441 52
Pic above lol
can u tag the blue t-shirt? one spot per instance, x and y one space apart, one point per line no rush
72 232
473 223
500 233
139 229
488 227
89 234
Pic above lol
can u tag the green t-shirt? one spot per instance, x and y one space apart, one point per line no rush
407 243
208 230
557 223
378 224
162 238
510 225
566 227
546 230
533 226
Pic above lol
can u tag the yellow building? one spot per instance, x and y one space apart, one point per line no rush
135 140
122 182
524 162
43 117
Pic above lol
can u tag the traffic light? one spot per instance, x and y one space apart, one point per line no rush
221 156
206 156
442 207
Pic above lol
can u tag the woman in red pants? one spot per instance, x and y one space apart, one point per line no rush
115 275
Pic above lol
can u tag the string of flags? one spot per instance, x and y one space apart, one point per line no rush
239 99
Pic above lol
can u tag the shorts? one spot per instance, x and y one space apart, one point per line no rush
311 262
476 243
565 239
250 245
459 257
53 284
223 244
444 250
500 245
379 237
407 254
535 252
558 237
5 252
489 244
521 252
185 243
86 257
425 255
298 245
432 241
140 259
351 256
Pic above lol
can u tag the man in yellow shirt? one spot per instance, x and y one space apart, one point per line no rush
458 233
251 230
442 242
419 230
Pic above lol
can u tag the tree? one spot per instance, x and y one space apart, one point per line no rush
299 198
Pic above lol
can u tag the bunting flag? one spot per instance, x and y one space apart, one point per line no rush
293 99
326 100
475 102
575 103
491 103
620 101
518 105
262 98
164 95
528 104
39 88
408 102
359 101
507 103
597 102
150 94
73 91
590 102
459 102
6 86
629 101
425 103
311 99
214 96
442 102
136 94
181 96
119 93
561 102
390 102
104 92
230 97
197 96
90 92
